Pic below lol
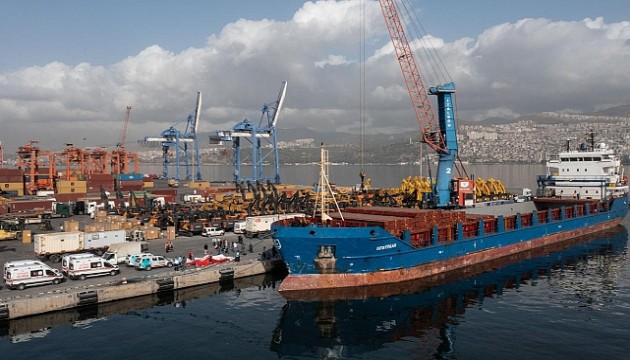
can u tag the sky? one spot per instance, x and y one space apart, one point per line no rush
69 68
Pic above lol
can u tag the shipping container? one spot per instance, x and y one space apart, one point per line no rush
8 186
102 239
128 177
53 245
30 205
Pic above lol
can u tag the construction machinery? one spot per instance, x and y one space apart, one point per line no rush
249 133
439 133
11 228
182 143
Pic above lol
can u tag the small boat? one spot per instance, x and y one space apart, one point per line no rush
583 192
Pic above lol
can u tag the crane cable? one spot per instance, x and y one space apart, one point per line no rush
438 74
426 51
362 87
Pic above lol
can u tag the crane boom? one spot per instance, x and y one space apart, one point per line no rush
413 78
123 132
438 133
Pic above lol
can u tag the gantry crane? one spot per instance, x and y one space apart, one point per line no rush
38 167
439 134
172 138
73 161
254 134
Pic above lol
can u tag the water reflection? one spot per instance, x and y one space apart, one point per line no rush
20 330
426 313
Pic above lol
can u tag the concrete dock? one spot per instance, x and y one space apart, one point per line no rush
131 283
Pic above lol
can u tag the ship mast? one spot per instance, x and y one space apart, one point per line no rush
325 194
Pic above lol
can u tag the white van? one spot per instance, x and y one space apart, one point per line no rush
212 231
84 267
239 227
19 277
65 260
15 263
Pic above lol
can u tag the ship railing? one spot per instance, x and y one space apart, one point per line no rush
470 227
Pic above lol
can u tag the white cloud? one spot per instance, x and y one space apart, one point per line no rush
529 66
333 60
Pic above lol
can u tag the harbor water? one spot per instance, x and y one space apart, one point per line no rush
570 302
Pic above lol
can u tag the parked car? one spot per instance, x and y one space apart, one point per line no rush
134 259
212 231
151 262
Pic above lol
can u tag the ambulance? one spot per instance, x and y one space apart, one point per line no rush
32 274
65 260
84 267
10 264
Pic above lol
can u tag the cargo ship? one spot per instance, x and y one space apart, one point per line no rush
583 192
422 312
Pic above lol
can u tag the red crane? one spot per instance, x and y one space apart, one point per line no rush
429 125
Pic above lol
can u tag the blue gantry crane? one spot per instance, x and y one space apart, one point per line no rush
182 143
258 136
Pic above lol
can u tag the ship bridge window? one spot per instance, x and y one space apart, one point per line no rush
564 159
597 159
588 159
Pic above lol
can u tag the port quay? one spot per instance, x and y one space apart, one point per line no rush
130 282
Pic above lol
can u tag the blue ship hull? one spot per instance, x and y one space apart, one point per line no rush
343 320
337 256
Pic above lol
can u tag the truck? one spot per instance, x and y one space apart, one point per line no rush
260 226
52 246
119 253
91 207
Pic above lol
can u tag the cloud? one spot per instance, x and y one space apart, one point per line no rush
528 66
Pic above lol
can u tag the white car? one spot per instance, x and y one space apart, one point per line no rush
135 259
151 262
212 231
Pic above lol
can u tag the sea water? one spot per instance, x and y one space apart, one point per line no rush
571 303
